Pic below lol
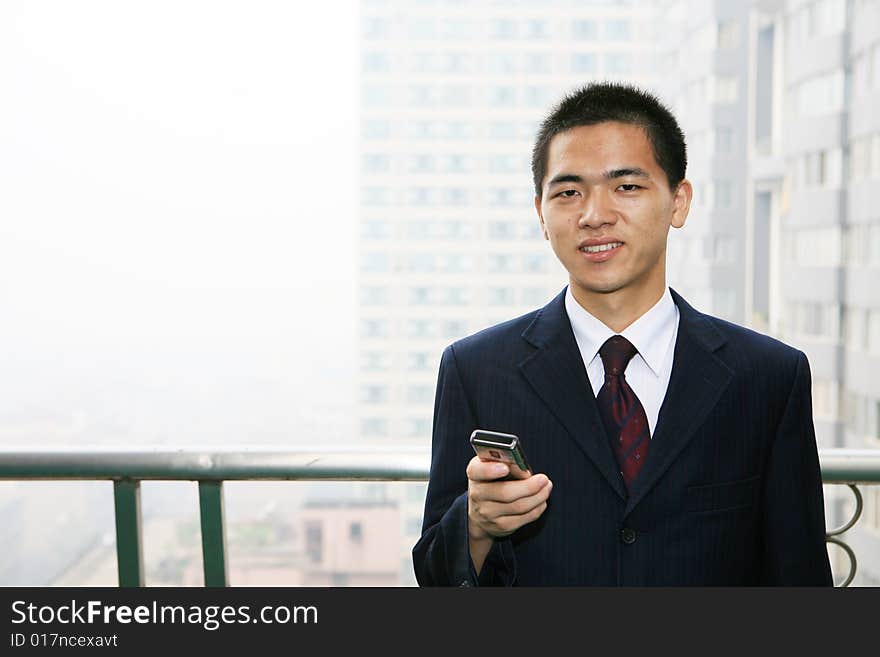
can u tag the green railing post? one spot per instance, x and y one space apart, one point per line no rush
129 547
213 533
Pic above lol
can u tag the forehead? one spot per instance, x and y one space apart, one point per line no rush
600 147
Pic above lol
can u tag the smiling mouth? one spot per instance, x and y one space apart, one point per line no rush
600 247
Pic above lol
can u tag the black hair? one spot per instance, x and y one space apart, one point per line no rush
613 101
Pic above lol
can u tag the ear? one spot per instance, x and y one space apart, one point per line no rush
541 218
681 203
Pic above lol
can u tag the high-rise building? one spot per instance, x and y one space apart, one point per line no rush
452 94
779 102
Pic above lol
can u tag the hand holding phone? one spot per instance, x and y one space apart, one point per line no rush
502 447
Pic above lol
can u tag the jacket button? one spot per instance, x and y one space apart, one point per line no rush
627 536
464 582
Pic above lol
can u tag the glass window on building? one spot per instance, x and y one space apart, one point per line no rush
454 329
422 262
501 296
421 328
458 263
314 540
375 229
374 295
418 428
617 63
376 129
374 427
535 262
375 27
503 29
501 263
725 89
376 95
457 296
375 163
502 96
421 163
723 140
374 328
502 63
376 62
375 196
375 361
420 296
536 29
419 361
373 262
373 394
502 230
728 32
722 194
618 30
584 63
534 296
420 394
584 30
536 62
502 130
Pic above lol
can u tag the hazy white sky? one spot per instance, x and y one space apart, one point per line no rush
178 190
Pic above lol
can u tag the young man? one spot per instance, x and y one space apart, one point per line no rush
668 447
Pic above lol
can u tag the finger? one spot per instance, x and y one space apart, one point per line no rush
510 491
509 524
492 510
480 470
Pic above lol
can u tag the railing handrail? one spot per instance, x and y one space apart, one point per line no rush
216 464
405 463
127 467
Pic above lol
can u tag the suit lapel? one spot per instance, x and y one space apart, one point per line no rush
556 372
696 383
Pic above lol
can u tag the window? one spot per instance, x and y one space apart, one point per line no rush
727 34
374 328
535 262
419 361
372 394
314 540
375 262
376 129
617 30
375 361
584 62
375 163
500 262
584 30
420 394
355 532
376 62
501 296
375 229
374 427
502 230
372 295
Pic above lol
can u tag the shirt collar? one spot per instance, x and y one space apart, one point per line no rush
650 334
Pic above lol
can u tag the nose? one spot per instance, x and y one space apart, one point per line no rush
598 210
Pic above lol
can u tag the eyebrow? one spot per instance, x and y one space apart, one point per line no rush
607 175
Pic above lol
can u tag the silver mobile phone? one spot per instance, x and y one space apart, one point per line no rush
503 447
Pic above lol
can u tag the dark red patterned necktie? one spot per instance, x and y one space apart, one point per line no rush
622 413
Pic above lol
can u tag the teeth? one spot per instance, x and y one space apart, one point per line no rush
601 247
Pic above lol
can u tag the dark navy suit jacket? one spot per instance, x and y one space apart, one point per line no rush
730 493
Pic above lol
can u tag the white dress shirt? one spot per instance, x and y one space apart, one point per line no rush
653 334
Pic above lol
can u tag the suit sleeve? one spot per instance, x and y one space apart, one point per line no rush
794 551
441 557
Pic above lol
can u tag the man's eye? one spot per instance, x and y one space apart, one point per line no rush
629 187
568 193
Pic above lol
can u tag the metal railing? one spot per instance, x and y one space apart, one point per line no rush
211 467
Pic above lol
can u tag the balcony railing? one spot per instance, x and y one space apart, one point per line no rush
210 468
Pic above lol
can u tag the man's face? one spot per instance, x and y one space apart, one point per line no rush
606 208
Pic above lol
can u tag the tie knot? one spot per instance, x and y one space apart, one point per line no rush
616 354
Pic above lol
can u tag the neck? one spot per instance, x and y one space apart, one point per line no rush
620 308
